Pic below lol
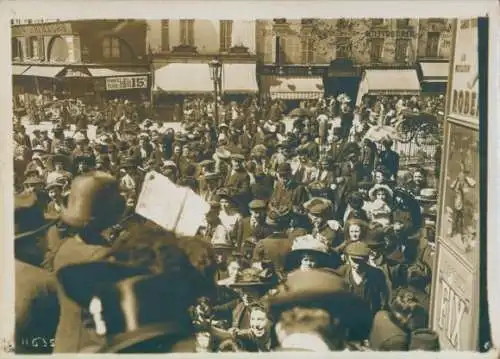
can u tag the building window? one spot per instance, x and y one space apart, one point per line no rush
187 32
34 47
432 44
165 43
307 50
342 47
17 49
226 33
401 50
402 23
376 49
377 22
111 48
58 50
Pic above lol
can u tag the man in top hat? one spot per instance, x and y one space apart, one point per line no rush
157 322
316 312
287 191
94 204
389 159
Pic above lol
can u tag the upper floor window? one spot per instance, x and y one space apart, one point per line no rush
307 50
401 23
34 47
376 49
401 49
165 33
377 22
187 32
111 48
432 47
17 49
226 32
342 47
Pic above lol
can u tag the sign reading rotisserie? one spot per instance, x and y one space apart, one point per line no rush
126 83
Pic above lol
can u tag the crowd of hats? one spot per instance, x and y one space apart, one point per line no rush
293 234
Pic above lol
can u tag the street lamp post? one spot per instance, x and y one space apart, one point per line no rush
216 75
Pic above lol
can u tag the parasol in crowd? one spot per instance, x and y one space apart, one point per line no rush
380 133
300 112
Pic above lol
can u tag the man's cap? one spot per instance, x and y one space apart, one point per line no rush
257 204
357 249
318 205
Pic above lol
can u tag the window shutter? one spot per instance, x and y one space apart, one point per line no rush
165 41
191 32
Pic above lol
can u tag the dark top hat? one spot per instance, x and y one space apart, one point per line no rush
136 307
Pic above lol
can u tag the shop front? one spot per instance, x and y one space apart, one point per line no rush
342 77
434 76
131 84
388 82
239 81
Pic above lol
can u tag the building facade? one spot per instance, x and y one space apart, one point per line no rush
94 59
182 50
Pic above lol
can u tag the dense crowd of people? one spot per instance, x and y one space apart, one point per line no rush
313 240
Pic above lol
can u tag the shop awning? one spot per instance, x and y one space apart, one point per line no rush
294 88
435 71
391 81
239 78
108 72
44 71
184 78
19 69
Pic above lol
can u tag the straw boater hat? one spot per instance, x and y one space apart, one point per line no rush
253 277
318 206
378 187
427 196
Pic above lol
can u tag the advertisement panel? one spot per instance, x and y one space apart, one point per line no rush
126 83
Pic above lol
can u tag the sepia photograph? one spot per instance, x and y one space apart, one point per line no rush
190 185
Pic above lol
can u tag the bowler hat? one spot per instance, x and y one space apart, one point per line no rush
323 289
95 200
424 339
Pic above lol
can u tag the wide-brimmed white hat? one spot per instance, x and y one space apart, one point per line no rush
379 187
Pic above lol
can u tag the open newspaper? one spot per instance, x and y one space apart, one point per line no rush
175 208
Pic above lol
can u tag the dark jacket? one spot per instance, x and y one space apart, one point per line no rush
273 248
390 160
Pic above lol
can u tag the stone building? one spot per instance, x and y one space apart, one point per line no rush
182 50
91 59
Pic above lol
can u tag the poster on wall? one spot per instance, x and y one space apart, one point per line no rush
465 75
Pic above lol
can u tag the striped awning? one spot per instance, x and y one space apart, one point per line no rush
239 78
435 71
184 78
108 72
392 81
19 69
44 71
294 88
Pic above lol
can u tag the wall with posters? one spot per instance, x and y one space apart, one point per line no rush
456 292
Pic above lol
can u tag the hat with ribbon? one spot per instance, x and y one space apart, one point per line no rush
427 195
318 206
380 187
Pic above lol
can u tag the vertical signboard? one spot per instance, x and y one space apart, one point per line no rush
455 290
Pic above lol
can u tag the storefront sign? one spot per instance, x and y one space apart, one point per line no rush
48 29
455 309
390 33
126 83
464 84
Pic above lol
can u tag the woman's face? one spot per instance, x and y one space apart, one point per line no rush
354 232
177 150
233 268
185 151
224 203
307 262
54 193
381 195
379 177
259 323
418 177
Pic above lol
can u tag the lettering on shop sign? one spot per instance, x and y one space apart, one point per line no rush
451 315
390 33
126 83
465 102
42 29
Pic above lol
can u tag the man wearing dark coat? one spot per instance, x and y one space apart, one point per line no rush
238 182
254 227
389 159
